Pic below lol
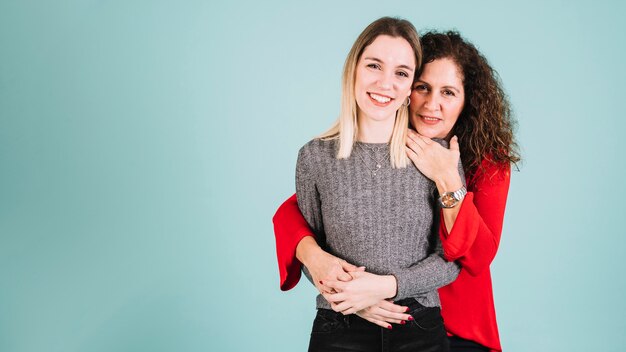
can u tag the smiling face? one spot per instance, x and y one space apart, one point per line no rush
437 98
384 74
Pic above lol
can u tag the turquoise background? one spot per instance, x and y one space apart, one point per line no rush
145 145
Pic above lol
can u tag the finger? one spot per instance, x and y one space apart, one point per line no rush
392 321
391 317
424 139
371 313
412 142
337 285
342 307
333 306
344 276
323 288
326 290
335 297
412 155
350 310
418 145
347 266
392 307
360 269
454 143
412 133
380 323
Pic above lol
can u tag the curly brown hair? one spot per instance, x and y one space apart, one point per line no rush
485 126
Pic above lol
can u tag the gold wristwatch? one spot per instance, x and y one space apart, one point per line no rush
451 199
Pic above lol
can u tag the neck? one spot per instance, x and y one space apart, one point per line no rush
372 131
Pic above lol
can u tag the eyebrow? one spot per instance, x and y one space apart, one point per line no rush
381 61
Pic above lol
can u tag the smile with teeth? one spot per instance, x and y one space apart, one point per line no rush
430 120
379 98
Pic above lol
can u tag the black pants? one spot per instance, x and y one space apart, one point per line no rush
458 344
333 331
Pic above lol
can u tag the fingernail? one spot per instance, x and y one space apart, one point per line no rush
410 318
403 322
389 327
406 310
321 283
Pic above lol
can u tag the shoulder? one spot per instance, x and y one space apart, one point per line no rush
318 147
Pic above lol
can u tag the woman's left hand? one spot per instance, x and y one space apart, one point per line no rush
364 290
432 159
385 312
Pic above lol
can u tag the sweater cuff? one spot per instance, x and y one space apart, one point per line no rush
404 288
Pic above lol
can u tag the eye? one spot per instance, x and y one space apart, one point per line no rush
448 93
420 88
402 74
374 66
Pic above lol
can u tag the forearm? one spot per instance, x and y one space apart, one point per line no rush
307 251
450 181
428 275
474 240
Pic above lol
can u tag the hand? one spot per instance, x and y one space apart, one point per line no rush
435 161
385 313
325 266
364 290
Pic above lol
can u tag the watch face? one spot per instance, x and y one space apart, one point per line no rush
448 200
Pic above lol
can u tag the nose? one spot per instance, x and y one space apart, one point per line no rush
385 80
431 102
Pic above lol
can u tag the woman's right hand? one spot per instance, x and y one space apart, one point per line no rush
323 265
385 313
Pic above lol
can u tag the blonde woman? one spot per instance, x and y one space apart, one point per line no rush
367 207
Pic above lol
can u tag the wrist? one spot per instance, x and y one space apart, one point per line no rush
449 182
390 285
307 250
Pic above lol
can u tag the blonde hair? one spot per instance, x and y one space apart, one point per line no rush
345 129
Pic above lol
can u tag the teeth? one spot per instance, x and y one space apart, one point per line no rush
379 98
430 118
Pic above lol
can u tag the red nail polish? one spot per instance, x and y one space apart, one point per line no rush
403 322
406 310
389 327
410 318
321 283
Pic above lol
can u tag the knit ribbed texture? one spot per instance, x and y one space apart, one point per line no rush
383 222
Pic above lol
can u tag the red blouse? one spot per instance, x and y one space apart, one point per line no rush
467 303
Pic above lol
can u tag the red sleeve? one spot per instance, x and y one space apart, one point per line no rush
475 236
289 228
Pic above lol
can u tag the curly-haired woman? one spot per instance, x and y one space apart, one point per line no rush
457 96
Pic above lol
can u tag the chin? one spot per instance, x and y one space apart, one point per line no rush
427 132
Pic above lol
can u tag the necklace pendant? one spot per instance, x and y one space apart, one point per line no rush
378 166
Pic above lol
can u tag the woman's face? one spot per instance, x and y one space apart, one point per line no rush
437 98
384 74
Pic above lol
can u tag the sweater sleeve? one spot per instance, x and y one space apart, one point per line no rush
429 274
308 196
475 236
290 228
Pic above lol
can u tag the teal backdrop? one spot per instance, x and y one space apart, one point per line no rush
145 145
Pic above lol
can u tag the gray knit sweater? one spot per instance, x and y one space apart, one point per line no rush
383 220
